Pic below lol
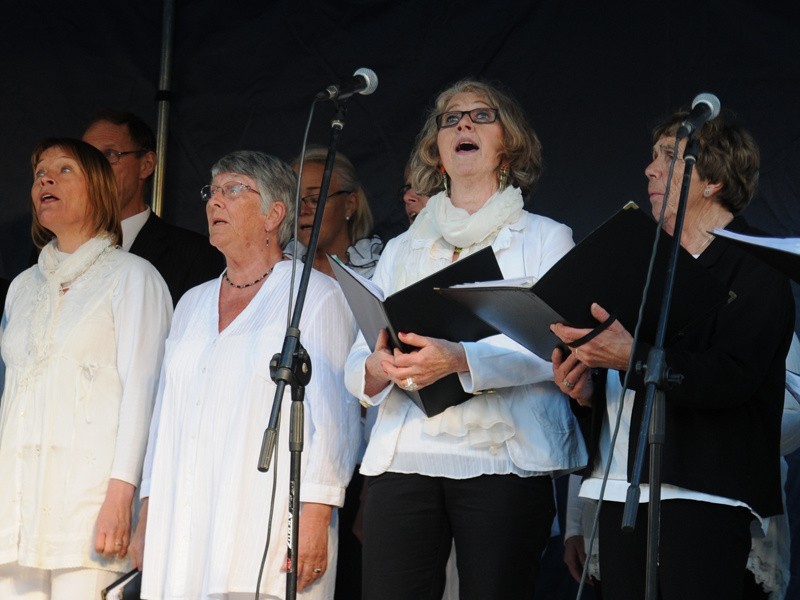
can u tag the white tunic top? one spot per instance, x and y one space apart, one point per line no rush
209 505
81 375
543 436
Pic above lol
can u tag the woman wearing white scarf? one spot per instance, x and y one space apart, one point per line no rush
82 339
478 473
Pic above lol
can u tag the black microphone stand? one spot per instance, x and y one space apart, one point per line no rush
658 378
293 367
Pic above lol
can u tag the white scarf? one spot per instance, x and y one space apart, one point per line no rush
440 220
485 421
60 271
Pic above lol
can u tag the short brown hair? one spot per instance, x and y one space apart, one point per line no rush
727 154
521 146
101 185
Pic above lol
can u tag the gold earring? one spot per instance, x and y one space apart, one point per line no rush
502 176
445 181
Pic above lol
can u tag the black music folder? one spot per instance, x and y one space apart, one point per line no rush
419 309
608 267
127 587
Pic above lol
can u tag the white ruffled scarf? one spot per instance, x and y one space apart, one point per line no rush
484 420
60 271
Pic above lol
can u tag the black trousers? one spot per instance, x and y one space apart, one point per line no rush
500 524
702 553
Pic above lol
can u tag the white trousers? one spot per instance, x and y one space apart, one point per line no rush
26 583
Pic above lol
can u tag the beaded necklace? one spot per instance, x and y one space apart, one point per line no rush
247 285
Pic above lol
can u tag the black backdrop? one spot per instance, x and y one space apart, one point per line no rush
593 77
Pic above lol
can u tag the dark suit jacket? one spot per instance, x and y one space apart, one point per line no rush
3 291
184 258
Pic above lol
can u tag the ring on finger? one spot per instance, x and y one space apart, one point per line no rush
566 383
317 571
410 385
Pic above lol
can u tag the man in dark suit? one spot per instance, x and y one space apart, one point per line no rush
184 258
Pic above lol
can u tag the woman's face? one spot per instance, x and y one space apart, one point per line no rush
234 214
657 172
60 195
341 204
469 149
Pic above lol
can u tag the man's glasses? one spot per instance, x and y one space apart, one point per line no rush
113 156
313 200
481 116
230 190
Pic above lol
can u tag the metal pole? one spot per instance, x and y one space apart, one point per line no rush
163 97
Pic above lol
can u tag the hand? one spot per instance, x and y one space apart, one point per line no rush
376 377
312 543
136 549
434 359
113 526
575 557
572 377
610 349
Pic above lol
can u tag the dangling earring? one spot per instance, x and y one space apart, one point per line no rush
502 176
445 181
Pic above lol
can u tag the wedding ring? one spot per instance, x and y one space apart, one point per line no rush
567 384
117 544
317 570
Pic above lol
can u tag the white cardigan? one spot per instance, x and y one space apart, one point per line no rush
79 390
545 437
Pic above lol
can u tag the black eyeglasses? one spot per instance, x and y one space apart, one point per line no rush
480 116
312 201
114 156
230 190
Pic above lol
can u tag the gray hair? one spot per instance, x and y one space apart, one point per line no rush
274 178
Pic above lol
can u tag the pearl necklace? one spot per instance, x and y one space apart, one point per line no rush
247 285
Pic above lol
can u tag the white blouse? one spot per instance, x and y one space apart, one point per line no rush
209 505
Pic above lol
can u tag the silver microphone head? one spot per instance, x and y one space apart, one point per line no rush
711 101
371 78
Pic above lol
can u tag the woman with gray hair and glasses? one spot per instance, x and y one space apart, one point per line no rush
205 517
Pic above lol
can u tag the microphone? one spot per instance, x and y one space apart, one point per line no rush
364 81
705 107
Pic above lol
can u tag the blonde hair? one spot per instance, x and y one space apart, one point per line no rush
360 224
522 150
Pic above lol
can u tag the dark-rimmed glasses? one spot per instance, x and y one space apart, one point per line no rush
113 156
230 190
479 116
311 201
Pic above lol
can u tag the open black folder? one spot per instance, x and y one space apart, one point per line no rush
419 309
608 267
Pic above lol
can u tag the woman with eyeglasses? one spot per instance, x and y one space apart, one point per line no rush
205 519
347 222
82 339
480 472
